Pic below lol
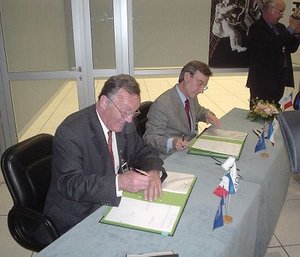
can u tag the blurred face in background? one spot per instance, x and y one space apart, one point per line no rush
276 12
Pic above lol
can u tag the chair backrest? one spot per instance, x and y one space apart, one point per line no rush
26 167
142 119
290 126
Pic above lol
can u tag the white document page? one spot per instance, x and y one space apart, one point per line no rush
218 146
160 217
229 134
177 182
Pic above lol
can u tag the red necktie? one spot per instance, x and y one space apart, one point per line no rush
110 149
187 111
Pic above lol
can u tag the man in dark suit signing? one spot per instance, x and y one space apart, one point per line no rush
92 151
270 45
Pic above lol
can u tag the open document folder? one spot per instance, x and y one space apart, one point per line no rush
219 143
160 216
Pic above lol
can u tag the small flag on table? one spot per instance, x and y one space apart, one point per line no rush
273 126
220 191
286 101
218 221
261 142
231 188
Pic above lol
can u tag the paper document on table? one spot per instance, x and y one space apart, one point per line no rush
178 182
160 216
144 214
218 146
219 143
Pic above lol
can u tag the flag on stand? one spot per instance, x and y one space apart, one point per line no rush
261 142
220 191
273 126
232 187
286 101
218 221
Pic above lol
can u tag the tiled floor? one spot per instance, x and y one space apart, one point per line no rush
223 94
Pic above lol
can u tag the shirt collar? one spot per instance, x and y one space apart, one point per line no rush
104 128
181 95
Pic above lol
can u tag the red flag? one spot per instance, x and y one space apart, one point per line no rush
220 191
286 101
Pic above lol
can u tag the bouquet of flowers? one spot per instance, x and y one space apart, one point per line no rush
263 110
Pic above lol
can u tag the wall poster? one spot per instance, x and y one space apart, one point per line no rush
230 20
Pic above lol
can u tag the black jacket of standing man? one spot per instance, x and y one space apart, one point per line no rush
270 45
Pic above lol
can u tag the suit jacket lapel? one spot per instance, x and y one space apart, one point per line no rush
97 135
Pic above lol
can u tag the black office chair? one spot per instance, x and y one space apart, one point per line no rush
290 126
26 167
142 119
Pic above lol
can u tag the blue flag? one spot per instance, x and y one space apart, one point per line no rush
270 129
231 189
218 221
261 142
296 103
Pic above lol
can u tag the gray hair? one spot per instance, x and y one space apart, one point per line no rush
115 83
267 4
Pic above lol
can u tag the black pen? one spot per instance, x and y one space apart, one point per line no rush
255 131
182 139
202 132
218 162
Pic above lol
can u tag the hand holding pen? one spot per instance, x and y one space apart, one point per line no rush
135 180
179 143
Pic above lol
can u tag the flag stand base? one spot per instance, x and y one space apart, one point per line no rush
265 155
227 219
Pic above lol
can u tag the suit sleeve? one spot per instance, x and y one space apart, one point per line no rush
261 36
138 153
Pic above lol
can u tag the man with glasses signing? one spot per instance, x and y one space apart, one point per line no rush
173 117
270 45
95 153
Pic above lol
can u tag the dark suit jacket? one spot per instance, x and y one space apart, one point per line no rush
83 177
267 76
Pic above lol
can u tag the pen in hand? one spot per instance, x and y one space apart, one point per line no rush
182 139
142 172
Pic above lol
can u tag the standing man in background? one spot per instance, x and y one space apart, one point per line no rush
270 45
174 115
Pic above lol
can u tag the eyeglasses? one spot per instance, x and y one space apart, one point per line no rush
201 83
125 115
278 11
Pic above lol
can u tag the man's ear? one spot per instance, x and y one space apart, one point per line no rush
187 76
103 101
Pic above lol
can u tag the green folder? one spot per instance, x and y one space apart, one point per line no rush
136 213
218 143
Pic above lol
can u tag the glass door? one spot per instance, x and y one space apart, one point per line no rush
45 65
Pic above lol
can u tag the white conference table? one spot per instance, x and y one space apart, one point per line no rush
255 209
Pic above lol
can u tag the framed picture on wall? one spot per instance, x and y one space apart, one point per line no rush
230 20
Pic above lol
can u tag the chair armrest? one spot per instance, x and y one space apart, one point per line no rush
36 217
